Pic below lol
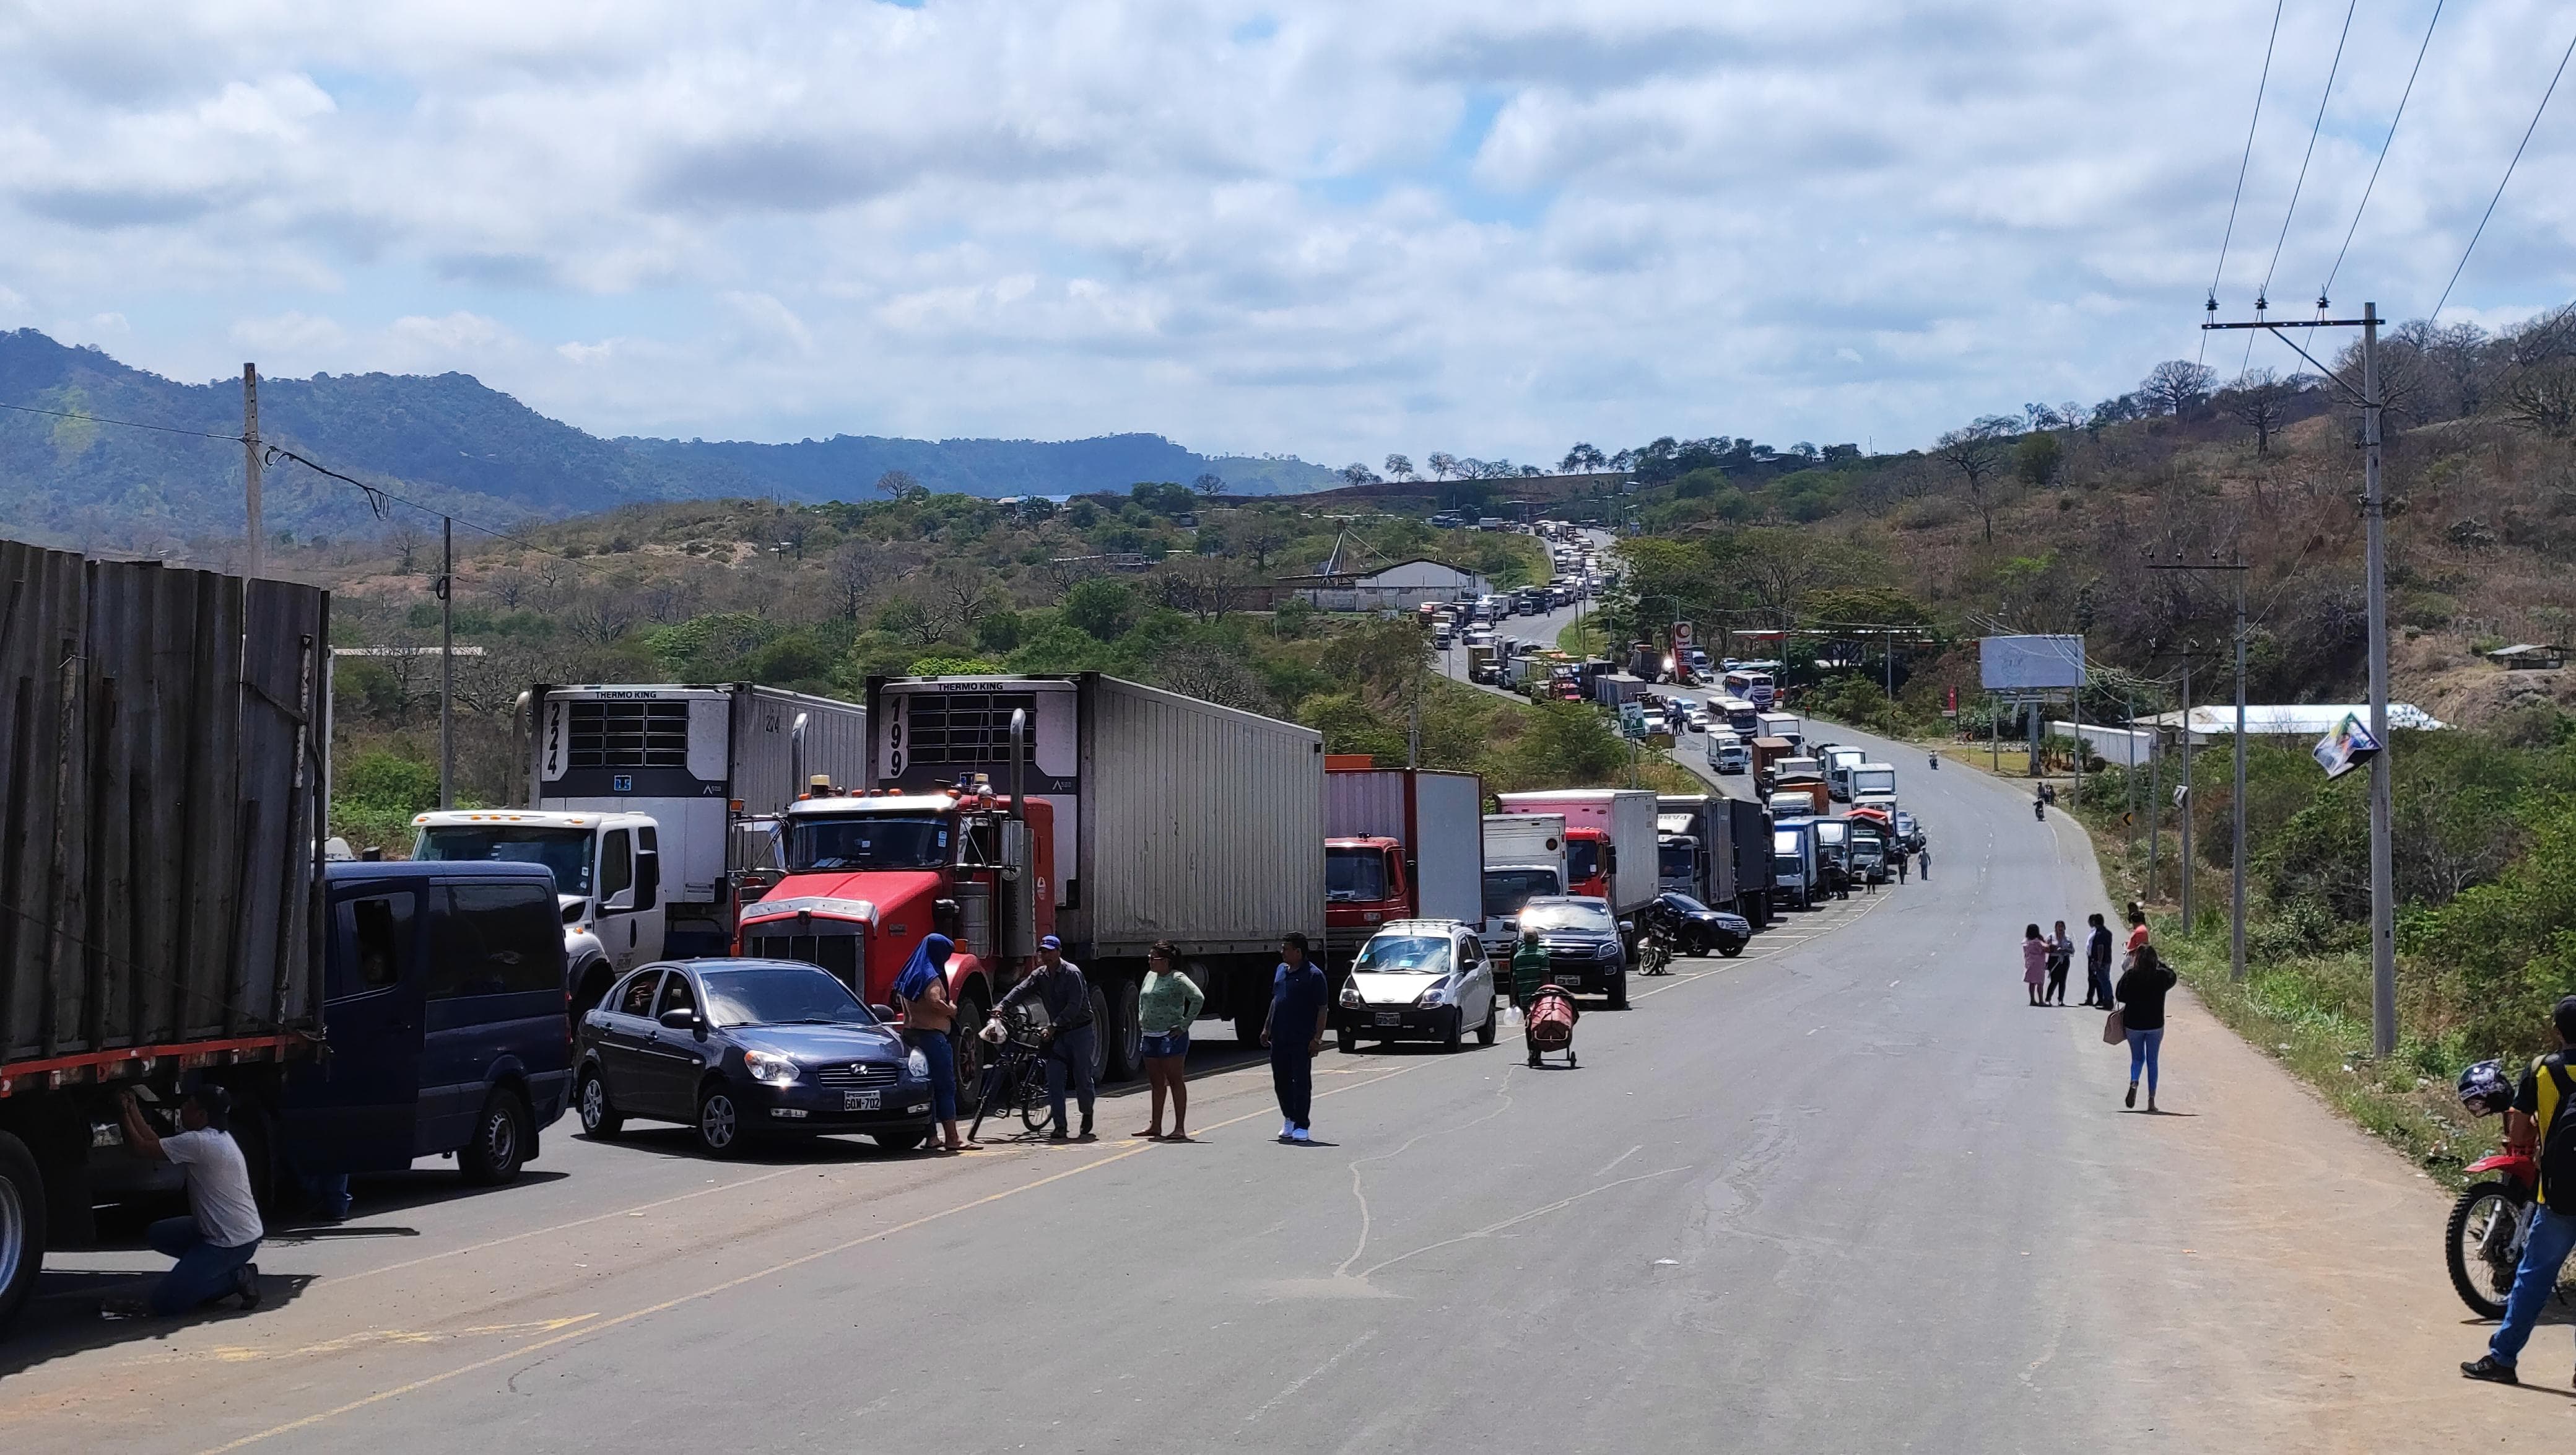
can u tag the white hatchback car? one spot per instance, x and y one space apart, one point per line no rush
1418 980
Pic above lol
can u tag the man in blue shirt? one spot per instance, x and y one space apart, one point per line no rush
1294 1033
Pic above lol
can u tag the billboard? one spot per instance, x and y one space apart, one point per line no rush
2025 664
2347 747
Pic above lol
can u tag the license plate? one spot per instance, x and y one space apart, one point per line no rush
1390 1017
860 1100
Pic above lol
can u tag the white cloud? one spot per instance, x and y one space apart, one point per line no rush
1333 230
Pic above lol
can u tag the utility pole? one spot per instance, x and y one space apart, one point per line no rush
2236 868
2185 804
2374 518
2155 809
255 558
446 662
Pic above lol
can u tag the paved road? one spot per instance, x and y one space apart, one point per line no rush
1845 1192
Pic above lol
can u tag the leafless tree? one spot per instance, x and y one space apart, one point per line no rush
958 595
1259 534
600 617
853 571
2260 400
1356 473
1209 485
899 485
1213 676
1975 453
407 541
2178 386
1442 466
2543 398
507 586
1204 586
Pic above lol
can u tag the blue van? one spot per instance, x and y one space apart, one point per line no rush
444 1019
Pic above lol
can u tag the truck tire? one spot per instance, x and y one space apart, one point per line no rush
22 1225
1127 1035
256 1135
968 1052
503 1132
1102 1031
1251 1005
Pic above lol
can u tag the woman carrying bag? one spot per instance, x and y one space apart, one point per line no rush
2141 1017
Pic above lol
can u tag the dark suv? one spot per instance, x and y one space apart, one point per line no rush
1584 950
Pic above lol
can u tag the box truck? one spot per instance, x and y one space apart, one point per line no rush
997 809
696 760
1874 784
1695 847
1400 843
1524 860
1751 828
1609 840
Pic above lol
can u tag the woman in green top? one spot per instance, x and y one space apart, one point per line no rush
1165 1006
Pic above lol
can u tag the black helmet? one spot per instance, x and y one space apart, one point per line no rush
2484 1089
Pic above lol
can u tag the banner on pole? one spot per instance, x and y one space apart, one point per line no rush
2347 747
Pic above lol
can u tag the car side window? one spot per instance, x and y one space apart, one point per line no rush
676 995
377 931
496 939
636 998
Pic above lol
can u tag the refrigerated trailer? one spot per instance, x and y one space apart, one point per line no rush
1165 818
1610 840
698 760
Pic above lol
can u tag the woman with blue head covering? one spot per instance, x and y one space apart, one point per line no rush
929 1020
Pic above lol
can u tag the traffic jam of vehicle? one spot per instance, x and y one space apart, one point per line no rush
701 916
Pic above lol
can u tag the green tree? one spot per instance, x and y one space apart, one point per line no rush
2038 458
1102 607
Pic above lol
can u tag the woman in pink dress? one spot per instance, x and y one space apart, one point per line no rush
2034 961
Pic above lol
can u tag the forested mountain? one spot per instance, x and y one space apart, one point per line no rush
452 441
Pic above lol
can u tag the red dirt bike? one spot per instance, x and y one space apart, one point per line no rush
2487 1229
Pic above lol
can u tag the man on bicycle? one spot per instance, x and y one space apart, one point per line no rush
1058 985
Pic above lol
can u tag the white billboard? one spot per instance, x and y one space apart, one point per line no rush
2026 664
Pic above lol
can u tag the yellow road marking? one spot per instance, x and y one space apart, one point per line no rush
588 1327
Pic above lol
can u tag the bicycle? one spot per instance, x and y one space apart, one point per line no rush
1015 1077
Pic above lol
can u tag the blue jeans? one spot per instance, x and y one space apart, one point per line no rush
941 1053
1069 1060
204 1271
2553 1236
2142 1052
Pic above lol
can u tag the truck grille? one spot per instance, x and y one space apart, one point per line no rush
611 734
855 1073
966 728
837 954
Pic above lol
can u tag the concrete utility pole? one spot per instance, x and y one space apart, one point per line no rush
446 662
2185 804
255 559
2374 518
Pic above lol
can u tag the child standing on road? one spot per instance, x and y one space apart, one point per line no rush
2034 961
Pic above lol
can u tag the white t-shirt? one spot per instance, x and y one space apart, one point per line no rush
218 1186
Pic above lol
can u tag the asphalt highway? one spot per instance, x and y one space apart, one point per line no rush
1847 1192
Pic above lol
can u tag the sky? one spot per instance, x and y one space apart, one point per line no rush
1330 228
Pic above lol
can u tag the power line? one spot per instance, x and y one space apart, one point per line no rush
2508 176
2263 295
124 423
2390 140
2242 164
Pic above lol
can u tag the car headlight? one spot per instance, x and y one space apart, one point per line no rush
770 1067
1351 996
1608 950
919 1065
1437 995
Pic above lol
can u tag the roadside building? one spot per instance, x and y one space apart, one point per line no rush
1403 586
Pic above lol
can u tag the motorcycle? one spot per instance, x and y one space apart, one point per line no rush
2039 809
1655 951
1936 762
2492 1218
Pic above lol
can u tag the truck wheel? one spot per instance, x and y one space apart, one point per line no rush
256 1136
1102 1031
1251 1004
22 1225
1127 1038
969 1050
502 1131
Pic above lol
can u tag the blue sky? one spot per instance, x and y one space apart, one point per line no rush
1334 230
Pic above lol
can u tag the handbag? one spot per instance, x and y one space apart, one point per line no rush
2115 1029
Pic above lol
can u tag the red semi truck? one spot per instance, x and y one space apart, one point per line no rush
1402 843
1140 815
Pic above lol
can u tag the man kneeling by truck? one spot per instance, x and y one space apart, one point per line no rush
214 1243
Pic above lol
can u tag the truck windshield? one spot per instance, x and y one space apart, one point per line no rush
1582 859
1405 955
1506 890
1788 866
1355 874
868 842
566 851
1676 861
776 995
1565 916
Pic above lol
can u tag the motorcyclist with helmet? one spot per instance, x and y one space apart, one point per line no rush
2542 1116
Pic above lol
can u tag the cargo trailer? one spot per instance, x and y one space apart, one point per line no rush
1400 843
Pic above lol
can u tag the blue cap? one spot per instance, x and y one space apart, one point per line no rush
1049 942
